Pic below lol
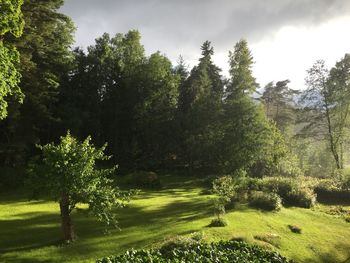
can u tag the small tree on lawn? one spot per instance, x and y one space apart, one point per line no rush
67 173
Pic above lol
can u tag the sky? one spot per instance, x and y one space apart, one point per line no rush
285 36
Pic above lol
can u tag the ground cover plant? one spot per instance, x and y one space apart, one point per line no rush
224 251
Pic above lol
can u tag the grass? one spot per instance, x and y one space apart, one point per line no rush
30 230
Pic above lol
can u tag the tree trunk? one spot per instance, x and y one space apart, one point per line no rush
67 227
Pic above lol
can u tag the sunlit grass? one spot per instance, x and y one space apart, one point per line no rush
30 230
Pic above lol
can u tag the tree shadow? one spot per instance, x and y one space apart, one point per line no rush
33 230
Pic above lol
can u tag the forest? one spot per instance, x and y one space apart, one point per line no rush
108 154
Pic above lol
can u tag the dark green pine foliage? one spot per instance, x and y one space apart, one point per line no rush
248 137
44 49
200 106
119 95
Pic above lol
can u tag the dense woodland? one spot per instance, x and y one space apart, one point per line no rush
149 114
156 115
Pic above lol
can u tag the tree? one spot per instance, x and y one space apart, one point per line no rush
278 100
45 54
11 23
248 138
327 104
199 108
241 62
68 173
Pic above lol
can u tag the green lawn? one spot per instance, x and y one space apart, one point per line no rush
30 230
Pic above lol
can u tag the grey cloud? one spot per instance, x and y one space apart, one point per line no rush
180 26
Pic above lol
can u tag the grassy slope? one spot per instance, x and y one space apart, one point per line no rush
29 230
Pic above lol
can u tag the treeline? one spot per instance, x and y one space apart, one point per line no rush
155 115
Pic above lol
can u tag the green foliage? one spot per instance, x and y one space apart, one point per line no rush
224 251
218 222
68 173
246 135
224 187
265 201
329 190
199 111
11 22
241 63
45 53
327 101
9 77
292 191
278 100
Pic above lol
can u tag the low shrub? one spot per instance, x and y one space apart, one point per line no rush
265 201
218 222
224 187
223 251
295 229
301 197
143 179
329 190
292 191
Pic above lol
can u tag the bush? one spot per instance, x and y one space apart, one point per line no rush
218 222
328 190
143 179
302 197
265 201
292 191
224 187
295 229
223 251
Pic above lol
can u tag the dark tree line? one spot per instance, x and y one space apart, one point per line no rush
157 115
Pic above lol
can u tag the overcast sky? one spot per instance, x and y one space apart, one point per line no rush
285 36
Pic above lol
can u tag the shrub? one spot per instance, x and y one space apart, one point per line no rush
219 210
328 190
223 251
295 229
292 191
265 201
301 197
224 187
143 179
218 222
244 186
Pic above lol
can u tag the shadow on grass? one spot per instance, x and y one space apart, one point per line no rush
31 231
